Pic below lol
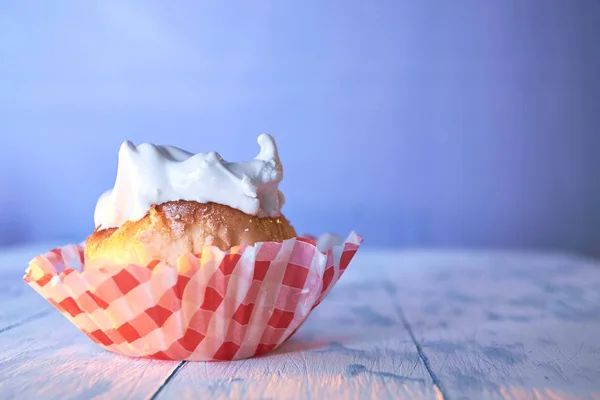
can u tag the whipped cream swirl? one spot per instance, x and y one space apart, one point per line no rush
150 175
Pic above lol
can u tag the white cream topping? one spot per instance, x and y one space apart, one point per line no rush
150 175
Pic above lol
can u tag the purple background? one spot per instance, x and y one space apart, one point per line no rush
450 123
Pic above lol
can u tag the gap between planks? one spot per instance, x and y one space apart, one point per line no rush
391 292
167 380
26 320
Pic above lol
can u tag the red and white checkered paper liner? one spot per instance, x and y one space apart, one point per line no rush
213 306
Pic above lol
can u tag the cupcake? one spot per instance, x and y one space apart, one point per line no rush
191 259
167 202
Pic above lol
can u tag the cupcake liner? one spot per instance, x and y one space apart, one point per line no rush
212 306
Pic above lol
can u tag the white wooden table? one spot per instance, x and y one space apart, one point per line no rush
399 325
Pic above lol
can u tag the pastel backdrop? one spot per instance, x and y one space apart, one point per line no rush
416 123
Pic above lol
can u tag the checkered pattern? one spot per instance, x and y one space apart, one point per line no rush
213 306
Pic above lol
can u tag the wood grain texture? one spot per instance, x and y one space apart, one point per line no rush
51 359
504 326
353 346
406 325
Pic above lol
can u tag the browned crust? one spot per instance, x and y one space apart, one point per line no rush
175 228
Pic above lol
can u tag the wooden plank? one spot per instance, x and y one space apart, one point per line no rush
491 325
51 359
504 326
364 352
352 346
